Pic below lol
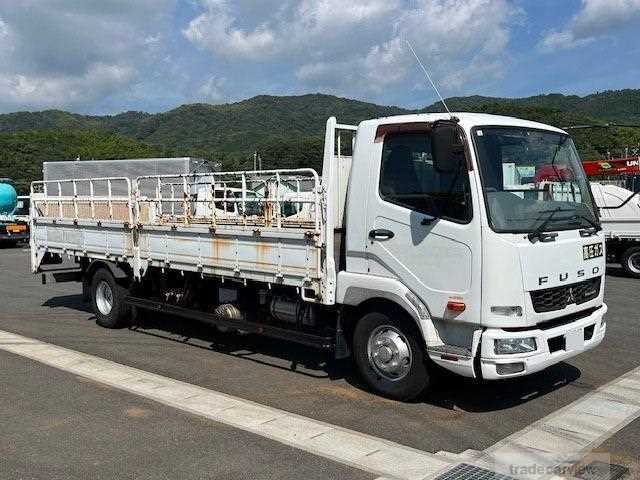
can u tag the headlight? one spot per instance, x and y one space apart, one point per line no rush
510 346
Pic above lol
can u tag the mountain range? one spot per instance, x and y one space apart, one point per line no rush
279 127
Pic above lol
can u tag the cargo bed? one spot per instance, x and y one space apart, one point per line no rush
264 226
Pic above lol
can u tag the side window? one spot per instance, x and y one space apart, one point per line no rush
408 179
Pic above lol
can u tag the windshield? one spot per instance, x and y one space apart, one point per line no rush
529 175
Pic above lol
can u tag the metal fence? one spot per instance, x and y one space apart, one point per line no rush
83 199
269 198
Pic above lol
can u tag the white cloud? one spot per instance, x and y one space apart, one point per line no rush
242 31
101 55
4 29
64 54
359 46
456 38
41 91
596 18
212 90
216 30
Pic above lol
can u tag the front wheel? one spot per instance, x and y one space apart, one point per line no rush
107 297
390 356
630 261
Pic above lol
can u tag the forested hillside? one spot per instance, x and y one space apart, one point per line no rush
22 153
286 131
619 106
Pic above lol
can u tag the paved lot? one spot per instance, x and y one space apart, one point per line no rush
58 424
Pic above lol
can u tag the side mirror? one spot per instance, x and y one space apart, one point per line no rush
448 151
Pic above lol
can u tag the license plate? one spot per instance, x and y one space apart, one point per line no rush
593 250
16 228
574 340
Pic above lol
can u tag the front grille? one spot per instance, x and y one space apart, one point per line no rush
557 298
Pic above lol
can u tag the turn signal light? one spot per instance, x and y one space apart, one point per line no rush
456 306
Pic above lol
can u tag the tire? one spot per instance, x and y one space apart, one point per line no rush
390 334
107 298
630 260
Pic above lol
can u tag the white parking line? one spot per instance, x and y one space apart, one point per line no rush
567 435
371 454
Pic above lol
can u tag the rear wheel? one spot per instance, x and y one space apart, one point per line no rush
630 260
390 356
107 297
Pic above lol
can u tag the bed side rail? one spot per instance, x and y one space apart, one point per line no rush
106 199
269 198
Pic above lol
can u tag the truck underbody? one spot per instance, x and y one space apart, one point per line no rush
259 273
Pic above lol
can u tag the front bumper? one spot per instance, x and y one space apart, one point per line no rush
14 237
567 340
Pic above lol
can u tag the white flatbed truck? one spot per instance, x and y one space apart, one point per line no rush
620 219
425 241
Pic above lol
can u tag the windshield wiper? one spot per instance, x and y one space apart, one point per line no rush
538 234
594 227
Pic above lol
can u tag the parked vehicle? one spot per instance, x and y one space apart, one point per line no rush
432 243
620 218
22 209
12 228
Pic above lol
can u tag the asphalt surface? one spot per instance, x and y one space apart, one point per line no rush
57 424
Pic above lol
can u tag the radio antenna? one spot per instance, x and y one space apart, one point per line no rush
426 72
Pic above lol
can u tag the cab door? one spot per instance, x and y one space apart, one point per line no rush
421 227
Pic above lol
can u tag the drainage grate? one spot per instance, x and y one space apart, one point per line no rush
464 471
602 471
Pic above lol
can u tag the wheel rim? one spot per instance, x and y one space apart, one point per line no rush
634 262
389 352
104 298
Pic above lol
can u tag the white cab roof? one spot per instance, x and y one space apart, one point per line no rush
467 120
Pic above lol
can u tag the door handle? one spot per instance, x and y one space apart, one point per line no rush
381 234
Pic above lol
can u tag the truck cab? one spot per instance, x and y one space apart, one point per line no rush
452 219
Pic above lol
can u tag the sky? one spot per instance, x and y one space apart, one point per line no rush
109 56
